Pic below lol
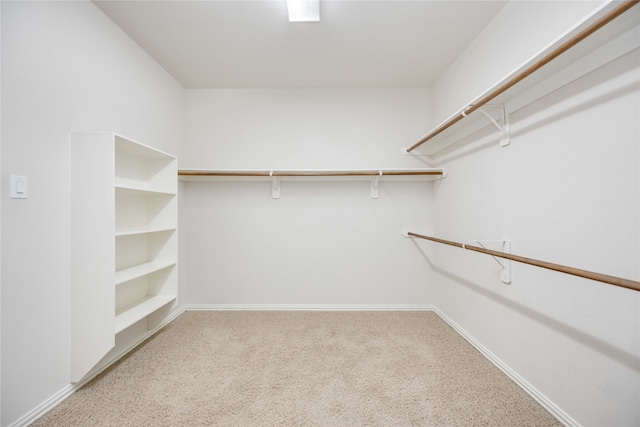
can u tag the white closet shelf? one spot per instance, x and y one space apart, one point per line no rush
143 230
590 44
309 174
140 270
137 311
134 148
275 176
143 191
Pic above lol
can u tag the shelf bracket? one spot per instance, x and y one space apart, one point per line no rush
275 186
505 264
375 185
503 124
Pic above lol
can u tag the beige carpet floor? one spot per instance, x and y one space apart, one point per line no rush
262 368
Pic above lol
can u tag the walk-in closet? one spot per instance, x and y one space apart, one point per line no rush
320 213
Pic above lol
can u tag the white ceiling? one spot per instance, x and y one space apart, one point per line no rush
251 44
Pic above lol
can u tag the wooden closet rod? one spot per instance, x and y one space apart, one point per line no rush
312 173
614 13
612 280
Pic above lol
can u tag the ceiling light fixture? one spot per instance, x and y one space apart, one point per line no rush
303 10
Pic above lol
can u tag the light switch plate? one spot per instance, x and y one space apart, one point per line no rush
19 187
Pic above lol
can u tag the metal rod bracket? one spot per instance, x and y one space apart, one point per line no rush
505 264
375 181
275 186
505 274
502 124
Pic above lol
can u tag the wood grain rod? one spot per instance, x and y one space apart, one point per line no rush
326 173
222 173
610 16
311 173
612 280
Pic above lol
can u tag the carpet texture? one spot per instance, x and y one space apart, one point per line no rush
248 368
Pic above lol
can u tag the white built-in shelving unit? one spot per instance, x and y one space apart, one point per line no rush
123 240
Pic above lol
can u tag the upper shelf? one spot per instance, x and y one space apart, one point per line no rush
311 175
142 191
275 176
585 47
137 149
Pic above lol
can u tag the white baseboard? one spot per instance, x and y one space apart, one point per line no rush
544 401
309 307
67 391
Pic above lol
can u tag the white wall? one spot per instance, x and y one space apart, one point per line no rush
567 190
65 66
322 242
316 128
1 203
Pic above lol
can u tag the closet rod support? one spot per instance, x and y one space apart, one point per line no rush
505 264
275 186
502 125
375 181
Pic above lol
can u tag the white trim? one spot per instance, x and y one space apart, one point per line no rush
538 396
46 406
107 363
68 390
309 307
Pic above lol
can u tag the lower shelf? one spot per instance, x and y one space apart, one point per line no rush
141 270
130 314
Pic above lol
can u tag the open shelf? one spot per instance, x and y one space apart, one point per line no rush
309 174
605 35
131 273
143 230
139 167
143 191
275 176
140 309
137 149
140 211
